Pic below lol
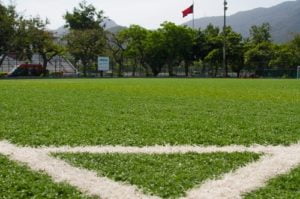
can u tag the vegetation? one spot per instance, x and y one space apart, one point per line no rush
26 37
2 74
143 112
152 51
168 176
147 112
19 182
87 38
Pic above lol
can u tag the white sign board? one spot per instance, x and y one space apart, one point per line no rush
103 63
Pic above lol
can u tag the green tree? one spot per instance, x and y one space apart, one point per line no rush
85 17
259 57
295 47
284 57
186 49
135 37
31 36
199 45
260 34
7 30
117 47
212 48
87 38
178 42
156 51
42 41
235 50
85 46
22 43
214 59
259 49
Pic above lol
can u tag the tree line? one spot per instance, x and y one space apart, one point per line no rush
168 47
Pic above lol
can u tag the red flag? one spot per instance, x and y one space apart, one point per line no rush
189 10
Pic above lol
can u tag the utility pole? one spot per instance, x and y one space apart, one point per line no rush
225 40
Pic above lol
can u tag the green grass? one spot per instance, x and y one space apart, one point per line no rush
150 111
282 187
168 176
18 182
139 112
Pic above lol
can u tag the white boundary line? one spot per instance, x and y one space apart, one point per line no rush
60 171
162 149
277 160
251 177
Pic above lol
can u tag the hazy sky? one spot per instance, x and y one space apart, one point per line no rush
148 13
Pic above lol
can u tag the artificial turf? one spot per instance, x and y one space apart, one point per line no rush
167 176
282 187
141 112
17 181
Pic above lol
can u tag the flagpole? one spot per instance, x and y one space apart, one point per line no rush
193 14
224 40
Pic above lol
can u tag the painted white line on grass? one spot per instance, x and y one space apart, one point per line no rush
60 171
277 160
161 149
251 177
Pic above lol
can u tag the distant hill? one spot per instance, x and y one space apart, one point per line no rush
284 19
116 29
109 25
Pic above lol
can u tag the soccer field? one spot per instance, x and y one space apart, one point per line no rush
149 138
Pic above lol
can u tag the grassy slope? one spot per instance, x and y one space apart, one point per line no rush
150 111
168 176
282 187
18 182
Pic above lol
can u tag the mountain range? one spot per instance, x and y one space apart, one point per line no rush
284 19
109 25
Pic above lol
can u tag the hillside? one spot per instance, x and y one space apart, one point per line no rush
108 24
284 19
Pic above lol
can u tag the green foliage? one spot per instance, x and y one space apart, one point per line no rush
8 23
295 46
260 34
85 17
86 46
284 57
282 187
178 44
173 45
143 112
235 50
2 74
167 47
42 41
259 56
156 53
23 39
135 37
117 49
19 182
168 176
214 58
87 38
25 36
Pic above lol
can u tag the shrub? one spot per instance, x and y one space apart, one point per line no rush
3 74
